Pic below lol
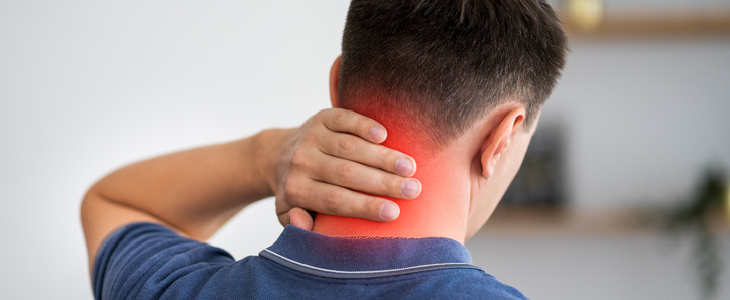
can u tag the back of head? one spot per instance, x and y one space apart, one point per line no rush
434 67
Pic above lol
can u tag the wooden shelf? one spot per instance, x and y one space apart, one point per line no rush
526 221
656 24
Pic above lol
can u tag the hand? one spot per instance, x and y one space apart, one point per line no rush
321 165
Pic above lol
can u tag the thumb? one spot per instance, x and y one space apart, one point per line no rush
299 218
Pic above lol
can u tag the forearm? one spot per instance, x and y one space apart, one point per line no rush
194 191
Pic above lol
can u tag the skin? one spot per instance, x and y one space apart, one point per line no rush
462 183
195 192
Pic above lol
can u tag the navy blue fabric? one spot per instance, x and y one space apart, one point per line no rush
149 261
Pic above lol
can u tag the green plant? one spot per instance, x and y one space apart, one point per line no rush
695 217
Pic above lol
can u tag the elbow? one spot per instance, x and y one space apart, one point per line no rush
86 203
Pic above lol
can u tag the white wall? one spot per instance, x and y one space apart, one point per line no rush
608 267
86 87
644 117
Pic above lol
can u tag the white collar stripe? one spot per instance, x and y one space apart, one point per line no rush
305 268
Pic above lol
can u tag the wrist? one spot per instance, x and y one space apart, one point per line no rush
267 151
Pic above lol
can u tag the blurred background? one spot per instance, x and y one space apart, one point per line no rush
614 200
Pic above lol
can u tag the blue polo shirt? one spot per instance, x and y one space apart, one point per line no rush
149 261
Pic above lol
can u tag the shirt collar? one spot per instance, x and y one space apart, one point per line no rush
313 252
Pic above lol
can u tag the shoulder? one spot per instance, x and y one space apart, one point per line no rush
469 284
148 259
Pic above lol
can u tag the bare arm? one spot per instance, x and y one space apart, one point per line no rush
196 191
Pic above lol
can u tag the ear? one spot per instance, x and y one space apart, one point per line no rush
499 140
334 80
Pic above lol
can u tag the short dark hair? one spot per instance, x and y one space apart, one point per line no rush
447 63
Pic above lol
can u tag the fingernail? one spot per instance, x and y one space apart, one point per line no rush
403 166
389 211
410 188
377 133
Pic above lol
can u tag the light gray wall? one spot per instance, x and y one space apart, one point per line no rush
609 267
86 87
644 117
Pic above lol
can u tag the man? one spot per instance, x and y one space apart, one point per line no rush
458 84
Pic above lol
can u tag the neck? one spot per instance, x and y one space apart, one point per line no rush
441 210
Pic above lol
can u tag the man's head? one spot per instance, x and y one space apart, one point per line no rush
466 72
447 63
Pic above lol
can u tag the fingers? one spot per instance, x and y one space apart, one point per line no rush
366 179
347 121
297 217
334 154
355 149
338 201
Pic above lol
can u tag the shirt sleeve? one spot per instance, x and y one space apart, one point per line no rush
149 261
